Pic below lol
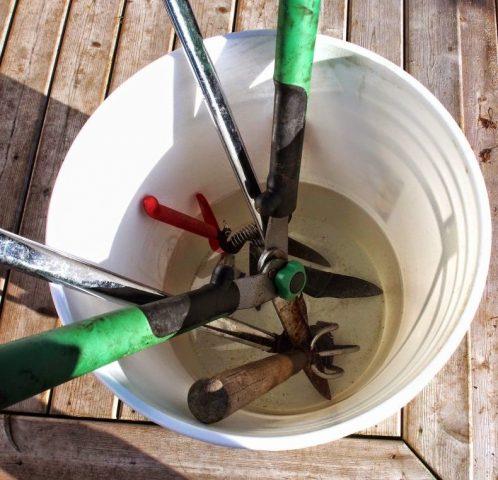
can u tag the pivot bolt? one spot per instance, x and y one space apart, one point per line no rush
290 280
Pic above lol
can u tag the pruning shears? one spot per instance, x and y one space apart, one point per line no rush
33 364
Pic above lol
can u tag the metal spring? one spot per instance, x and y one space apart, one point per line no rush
248 233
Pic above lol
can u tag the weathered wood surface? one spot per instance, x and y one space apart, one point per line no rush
25 79
390 427
333 18
377 25
477 21
58 61
48 448
80 84
256 14
436 423
146 34
7 9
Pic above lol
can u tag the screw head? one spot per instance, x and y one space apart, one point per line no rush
290 280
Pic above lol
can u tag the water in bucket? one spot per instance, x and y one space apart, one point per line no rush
346 235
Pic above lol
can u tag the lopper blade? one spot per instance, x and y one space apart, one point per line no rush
320 284
302 251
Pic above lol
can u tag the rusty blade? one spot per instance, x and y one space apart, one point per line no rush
294 318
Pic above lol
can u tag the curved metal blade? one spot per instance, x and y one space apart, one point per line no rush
322 284
302 251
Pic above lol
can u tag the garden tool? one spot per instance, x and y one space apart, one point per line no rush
33 364
185 24
296 34
213 399
319 283
43 262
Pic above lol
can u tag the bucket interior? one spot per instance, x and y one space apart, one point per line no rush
372 139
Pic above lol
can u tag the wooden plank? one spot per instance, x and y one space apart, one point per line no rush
78 87
480 103
39 448
436 423
215 17
256 14
390 427
7 9
146 34
333 18
25 75
377 25
25 78
125 412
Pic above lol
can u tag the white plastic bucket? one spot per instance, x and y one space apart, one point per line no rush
374 134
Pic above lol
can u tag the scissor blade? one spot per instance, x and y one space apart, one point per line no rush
302 251
320 284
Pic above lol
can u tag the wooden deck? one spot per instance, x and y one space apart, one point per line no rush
58 61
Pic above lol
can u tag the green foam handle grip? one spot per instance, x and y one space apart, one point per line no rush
33 364
296 36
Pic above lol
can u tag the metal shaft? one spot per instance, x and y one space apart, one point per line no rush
188 32
47 263
40 261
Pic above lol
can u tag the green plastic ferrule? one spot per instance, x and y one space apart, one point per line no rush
290 280
296 35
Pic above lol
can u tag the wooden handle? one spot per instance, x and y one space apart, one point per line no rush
213 399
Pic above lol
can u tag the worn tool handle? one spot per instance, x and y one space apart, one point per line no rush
296 35
33 364
213 399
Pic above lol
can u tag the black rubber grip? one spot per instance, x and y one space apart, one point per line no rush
289 114
189 310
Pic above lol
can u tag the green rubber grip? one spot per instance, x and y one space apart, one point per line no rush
296 36
33 364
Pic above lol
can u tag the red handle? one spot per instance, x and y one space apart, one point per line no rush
178 219
210 219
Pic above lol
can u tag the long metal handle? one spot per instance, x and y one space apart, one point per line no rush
43 262
188 32
49 264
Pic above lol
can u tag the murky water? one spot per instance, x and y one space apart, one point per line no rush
354 245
